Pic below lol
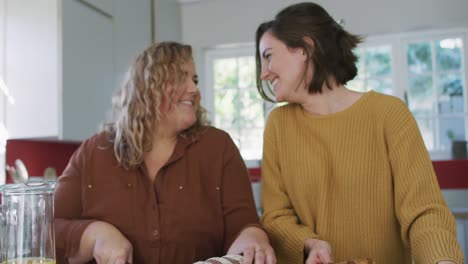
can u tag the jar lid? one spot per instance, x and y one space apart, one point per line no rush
33 187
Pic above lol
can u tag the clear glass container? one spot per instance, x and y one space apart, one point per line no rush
27 232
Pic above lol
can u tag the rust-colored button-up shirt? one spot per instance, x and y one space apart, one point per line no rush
199 201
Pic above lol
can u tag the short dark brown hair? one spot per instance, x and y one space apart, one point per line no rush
332 55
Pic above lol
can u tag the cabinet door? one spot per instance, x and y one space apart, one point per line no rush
31 67
461 232
88 67
2 70
100 38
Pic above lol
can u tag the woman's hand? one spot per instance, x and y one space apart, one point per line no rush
253 243
319 251
446 262
111 247
105 243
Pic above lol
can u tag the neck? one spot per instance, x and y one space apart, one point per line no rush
328 102
162 137
162 149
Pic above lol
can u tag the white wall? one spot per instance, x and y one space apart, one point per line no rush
167 21
2 58
30 66
212 22
100 40
208 23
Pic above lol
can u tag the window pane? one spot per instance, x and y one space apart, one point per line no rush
235 135
457 127
356 85
246 72
383 85
450 92
251 143
421 94
238 105
360 62
449 54
226 108
251 108
378 61
419 57
225 73
427 131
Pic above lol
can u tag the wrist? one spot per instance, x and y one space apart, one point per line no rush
309 243
255 231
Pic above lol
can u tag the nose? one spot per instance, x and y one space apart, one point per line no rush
265 73
193 88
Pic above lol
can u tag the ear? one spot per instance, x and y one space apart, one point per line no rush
310 42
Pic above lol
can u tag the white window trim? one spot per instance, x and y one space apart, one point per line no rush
432 35
219 52
399 65
228 51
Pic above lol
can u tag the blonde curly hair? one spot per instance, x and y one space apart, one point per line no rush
154 76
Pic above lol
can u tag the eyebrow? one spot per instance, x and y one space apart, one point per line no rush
264 53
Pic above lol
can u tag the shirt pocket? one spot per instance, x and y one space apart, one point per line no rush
198 216
109 199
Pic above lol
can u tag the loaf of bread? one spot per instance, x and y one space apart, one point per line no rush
228 259
357 261
236 259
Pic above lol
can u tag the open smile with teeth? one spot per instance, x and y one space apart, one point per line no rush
274 82
187 102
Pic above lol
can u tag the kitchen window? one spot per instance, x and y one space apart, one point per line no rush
235 104
375 69
425 69
436 87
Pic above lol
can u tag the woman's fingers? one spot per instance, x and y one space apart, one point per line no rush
326 256
260 256
249 255
270 256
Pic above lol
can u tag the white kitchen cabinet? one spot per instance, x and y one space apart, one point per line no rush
3 100
457 200
462 229
65 58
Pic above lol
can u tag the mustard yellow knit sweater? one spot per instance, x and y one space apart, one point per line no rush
360 179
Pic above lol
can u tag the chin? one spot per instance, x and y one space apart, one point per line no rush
280 98
189 123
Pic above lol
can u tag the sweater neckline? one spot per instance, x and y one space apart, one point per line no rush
346 111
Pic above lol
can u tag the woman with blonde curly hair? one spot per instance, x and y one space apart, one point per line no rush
158 185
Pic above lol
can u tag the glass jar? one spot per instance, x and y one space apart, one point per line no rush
27 235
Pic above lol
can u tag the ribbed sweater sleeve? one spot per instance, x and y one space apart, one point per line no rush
360 179
427 225
279 218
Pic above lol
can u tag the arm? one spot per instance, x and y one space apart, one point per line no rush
240 215
80 240
68 197
427 225
105 243
279 218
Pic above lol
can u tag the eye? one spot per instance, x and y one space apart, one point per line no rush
268 56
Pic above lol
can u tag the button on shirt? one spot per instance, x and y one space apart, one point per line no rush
193 210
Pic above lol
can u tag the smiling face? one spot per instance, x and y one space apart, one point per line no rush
283 68
180 112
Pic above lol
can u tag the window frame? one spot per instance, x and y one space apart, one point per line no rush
398 43
223 52
431 37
